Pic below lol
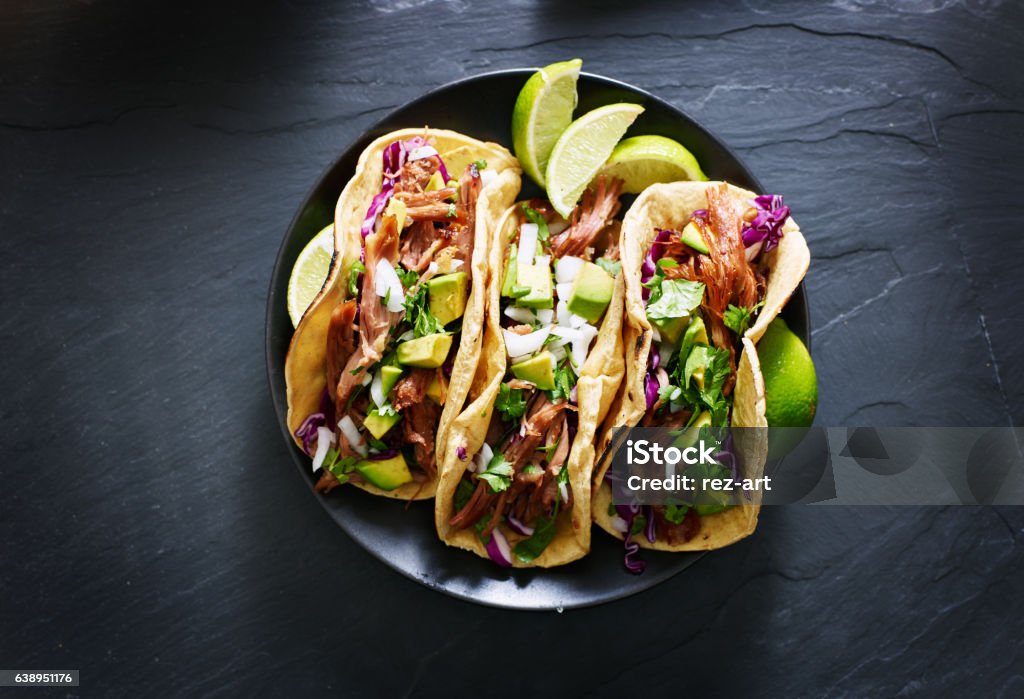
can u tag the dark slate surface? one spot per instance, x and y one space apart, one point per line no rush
153 532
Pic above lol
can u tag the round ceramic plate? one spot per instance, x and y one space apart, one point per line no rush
403 539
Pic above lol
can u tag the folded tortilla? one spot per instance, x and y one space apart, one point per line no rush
305 365
599 380
669 206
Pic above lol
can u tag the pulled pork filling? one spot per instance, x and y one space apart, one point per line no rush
425 232
518 483
702 294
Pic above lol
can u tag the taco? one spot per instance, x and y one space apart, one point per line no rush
515 482
707 266
382 360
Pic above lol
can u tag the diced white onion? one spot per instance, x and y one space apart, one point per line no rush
655 335
366 379
566 318
544 260
422 152
619 524
563 290
566 335
324 440
527 243
454 265
554 360
386 279
581 347
517 345
545 315
482 458
520 315
563 490
557 352
557 226
432 267
377 389
520 358
487 176
577 321
567 268
351 432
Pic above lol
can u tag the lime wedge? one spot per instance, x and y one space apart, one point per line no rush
583 149
309 273
641 161
543 111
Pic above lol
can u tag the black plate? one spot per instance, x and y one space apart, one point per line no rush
406 540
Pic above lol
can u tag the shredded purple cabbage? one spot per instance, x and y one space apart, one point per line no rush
767 225
634 564
651 388
461 451
307 431
395 156
649 524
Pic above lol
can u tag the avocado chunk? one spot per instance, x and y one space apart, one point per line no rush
386 474
389 376
511 273
447 295
691 434
378 425
671 329
537 370
696 333
434 390
692 237
537 278
591 292
427 352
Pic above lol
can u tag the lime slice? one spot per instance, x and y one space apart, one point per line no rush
309 273
583 149
641 161
543 111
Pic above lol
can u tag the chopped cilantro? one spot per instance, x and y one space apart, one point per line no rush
498 473
417 313
353 277
480 164
738 318
639 524
565 379
675 298
408 277
612 267
452 210
675 513
510 403
542 226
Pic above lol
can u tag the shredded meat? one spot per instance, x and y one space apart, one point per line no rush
419 244
415 175
374 319
520 329
676 533
429 206
591 216
419 428
727 275
469 191
412 388
340 342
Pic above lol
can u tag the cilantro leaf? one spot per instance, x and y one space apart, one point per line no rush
676 513
408 277
452 209
565 379
340 468
480 164
498 473
739 318
678 298
417 312
530 548
639 524
353 277
542 226
654 283
510 402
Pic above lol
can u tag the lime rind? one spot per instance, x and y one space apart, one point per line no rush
309 273
641 161
542 112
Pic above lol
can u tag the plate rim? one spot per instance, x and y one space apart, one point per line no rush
644 582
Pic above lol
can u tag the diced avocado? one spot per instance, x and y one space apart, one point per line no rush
434 390
671 329
389 376
709 508
386 474
692 237
696 333
591 292
436 182
537 370
378 424
537 278
427 352
447 295
691 434
509 282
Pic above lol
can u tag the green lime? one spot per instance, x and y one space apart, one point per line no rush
543 111
583 149
309 273
641 161
790 384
